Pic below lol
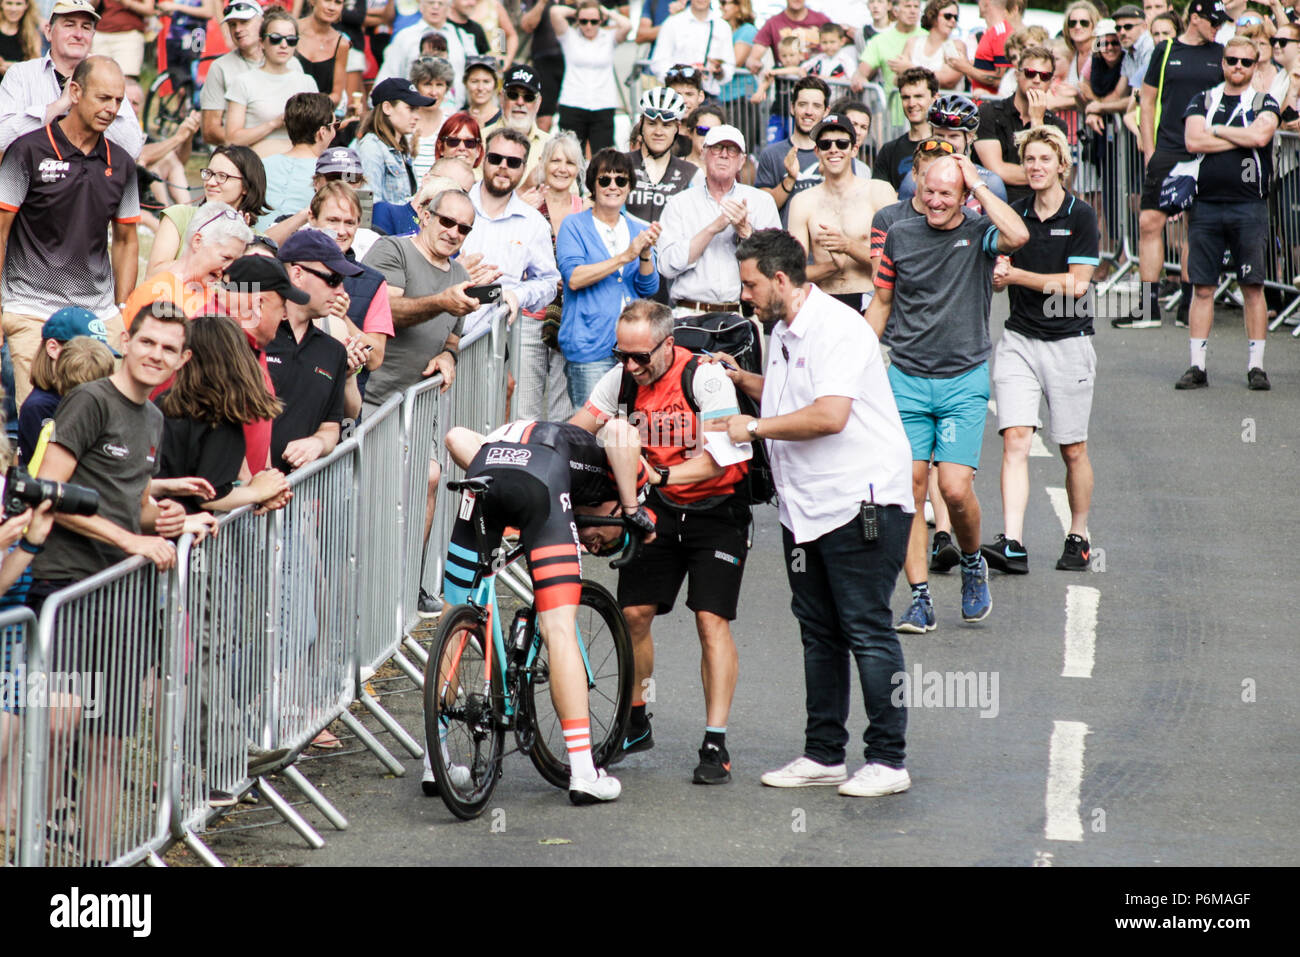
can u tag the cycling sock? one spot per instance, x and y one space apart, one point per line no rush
1199 347
639 719
970 562
716 736
921 590
1254 354
577 740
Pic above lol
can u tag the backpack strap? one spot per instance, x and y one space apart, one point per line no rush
688 382
1160 87
627 392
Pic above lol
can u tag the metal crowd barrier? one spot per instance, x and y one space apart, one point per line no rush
257 640
1282 264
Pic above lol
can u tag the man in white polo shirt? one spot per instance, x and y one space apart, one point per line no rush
843 470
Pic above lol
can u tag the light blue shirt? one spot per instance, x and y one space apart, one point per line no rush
288 187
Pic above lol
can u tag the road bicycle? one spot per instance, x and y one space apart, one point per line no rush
172 96
480 683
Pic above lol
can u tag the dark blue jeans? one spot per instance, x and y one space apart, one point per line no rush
841 589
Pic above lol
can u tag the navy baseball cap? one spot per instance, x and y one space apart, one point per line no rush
521 75
396 88
264 274
315 246
836 121
72 321
1212 10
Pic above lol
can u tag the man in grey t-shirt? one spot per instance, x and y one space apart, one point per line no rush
933 288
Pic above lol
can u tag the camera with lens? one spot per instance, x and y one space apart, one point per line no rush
23 492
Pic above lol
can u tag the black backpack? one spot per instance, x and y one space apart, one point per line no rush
740 338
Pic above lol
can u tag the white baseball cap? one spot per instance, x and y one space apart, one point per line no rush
725 134
240 10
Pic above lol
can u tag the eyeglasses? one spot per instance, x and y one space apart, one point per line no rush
827 144
519 93
1080 23
275 39
218 178
588 22
605 179
725 149
514 162
469 143
224 214
1240 61
331 278
1282 41
1043 75
640 358
447 223
937 146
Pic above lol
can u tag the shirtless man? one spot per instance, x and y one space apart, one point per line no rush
833 219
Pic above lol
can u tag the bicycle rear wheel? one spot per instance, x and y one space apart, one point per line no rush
603 633
169 101
462 734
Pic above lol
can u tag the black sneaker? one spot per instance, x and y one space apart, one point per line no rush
944 554
714 766
429 606
1180 318
218 798
1257 379
1193 378
1076 556
1006 555
636 739
1136 320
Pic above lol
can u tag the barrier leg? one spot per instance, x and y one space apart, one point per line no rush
321 803
372 744
291 817
153 860
391 726
201 850
418 653
408 669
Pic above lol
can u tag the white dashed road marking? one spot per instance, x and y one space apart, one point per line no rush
1060 505
1064 776
1080 630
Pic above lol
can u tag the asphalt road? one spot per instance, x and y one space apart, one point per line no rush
1188 755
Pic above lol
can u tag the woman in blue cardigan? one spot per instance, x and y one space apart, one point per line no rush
607 259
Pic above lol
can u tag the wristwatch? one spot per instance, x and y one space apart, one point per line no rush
752 428
662 473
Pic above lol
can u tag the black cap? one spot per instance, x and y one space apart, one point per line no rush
395 88
836 121
265 273
1128 12
521 75
315 246
1211 10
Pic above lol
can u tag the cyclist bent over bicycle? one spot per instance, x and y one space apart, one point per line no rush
542 473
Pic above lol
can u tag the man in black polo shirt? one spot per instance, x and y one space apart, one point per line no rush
1046 349
63 174
917 88
310 368
1178 70
1001 120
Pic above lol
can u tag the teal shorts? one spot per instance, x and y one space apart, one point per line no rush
943 418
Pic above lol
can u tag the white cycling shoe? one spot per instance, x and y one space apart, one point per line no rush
603 788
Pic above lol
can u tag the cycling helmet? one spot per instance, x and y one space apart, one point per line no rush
952 111
662 103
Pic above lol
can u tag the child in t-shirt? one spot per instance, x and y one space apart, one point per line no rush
790 55
836 61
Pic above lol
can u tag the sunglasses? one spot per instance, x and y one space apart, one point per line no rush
1043 75
218 178
605 179
275 39
1250 19
1105 44
826 144
514 162
702 130
661 116
1126 27
588 22
1282 41
1240 61
331 278
937 146
947 120
469 143
640 358
519 93
1080 23
447 223
949 16
681 72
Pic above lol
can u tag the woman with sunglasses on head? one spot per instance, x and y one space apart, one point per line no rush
589 95
461 138
323 50
255 100
216 237
383 147
234 176
432 77
606 258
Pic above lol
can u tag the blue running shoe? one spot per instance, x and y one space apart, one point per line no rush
919 618
976 602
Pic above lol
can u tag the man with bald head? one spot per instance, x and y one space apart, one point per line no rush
35 92
62 174
933 289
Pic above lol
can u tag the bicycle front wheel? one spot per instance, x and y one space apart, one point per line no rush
603 634
463 737
169 102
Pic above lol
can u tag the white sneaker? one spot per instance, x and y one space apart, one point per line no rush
876 780
603 788
459 774
805 773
